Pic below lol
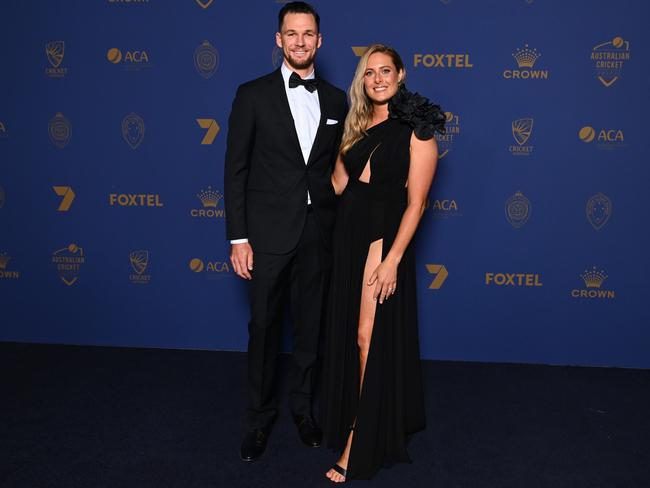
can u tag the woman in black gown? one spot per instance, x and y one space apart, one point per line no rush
372 391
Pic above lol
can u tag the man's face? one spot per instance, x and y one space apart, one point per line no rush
299 40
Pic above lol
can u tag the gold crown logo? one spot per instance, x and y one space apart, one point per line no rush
4 260
209 197
593 278
526 57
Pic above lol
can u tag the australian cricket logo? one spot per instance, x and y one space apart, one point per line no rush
452 129
608 58
55 51
599 210
139 261
518 210
59 130
206 60
521 131
133 130
68 262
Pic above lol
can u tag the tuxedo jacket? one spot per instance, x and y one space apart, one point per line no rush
266 177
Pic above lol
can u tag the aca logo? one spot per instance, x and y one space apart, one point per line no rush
68 262
440 275
210 201
606 138
526 58
442 60
204 4
139 262
55 52
60 130
3 130
518 210
206 60
452 129
6 274
68 197
608 58
593 280
443 209
133 130
132 60
598 210
521 131
359 50
212 130
513 279
2 197
135 200
211 269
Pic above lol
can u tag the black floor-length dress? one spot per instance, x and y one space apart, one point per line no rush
390 405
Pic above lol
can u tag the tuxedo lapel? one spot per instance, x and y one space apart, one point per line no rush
285 111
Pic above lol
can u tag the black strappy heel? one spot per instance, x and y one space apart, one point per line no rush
339 469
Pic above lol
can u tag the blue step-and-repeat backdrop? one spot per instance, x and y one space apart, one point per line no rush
534 247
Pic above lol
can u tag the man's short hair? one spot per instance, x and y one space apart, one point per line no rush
297 8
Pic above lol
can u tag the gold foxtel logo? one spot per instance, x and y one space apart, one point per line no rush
212 269
210 200
132 60
68 262
440 273
6 274
521 131
452 129
135 200
55 51
68 197
606 138
593 280
211 132
513 279
525 58
440 60
139 262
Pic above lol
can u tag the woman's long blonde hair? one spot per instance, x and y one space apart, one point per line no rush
361 109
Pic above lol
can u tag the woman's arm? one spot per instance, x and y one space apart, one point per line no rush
424 159
339 176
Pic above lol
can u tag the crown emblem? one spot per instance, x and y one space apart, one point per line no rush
209 197
593 278
526 57
4 260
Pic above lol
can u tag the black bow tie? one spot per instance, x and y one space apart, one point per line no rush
310 85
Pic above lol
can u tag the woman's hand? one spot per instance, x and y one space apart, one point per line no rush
384 277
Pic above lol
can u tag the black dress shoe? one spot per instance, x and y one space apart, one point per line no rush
253 445
310 433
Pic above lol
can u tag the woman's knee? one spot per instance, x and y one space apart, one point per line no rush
363 341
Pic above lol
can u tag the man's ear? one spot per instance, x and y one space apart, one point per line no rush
278 40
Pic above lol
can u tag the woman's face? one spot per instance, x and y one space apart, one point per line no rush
381 78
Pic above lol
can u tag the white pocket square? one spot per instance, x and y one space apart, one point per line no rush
331 122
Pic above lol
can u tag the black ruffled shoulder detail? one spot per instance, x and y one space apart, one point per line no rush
424 117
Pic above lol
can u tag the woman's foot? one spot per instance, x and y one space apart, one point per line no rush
338 475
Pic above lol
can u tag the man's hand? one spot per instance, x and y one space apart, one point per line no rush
241 257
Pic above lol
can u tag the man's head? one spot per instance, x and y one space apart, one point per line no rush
298 34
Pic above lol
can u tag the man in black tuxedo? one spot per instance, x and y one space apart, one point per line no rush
283 138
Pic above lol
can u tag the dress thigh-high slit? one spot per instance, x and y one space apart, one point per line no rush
389 404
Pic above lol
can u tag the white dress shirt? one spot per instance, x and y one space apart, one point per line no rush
305 110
